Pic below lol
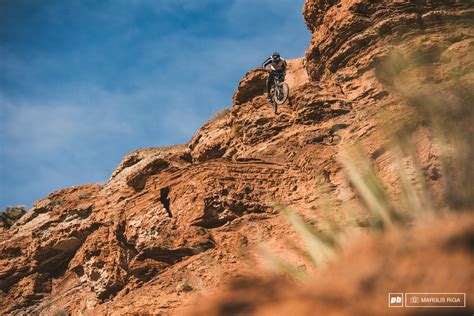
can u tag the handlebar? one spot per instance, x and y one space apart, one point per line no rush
275 71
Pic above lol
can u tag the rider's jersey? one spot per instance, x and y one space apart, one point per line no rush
279 66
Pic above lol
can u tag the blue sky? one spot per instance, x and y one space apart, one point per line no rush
85 82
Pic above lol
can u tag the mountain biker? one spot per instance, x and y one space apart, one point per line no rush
277 65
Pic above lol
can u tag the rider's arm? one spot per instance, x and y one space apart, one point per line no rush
267 62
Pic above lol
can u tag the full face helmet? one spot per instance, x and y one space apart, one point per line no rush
275 57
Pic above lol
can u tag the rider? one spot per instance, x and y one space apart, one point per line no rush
277 65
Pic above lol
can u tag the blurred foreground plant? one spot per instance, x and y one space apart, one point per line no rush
446 109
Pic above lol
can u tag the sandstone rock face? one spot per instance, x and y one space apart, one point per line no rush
350 36
174 222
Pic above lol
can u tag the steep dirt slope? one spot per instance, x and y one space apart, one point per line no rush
173 222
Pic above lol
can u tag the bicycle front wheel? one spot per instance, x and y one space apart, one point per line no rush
280 94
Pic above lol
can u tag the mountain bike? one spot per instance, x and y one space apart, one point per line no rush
279 91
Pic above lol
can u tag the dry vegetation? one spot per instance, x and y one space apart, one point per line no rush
450 123
11 214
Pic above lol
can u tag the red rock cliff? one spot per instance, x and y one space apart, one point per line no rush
173 222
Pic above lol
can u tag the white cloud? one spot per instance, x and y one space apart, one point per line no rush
49 125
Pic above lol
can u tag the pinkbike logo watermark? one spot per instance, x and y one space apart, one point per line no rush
426 299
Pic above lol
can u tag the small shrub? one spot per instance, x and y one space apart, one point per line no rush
235 129
183 286
11 214
61 312
85 195
221 114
